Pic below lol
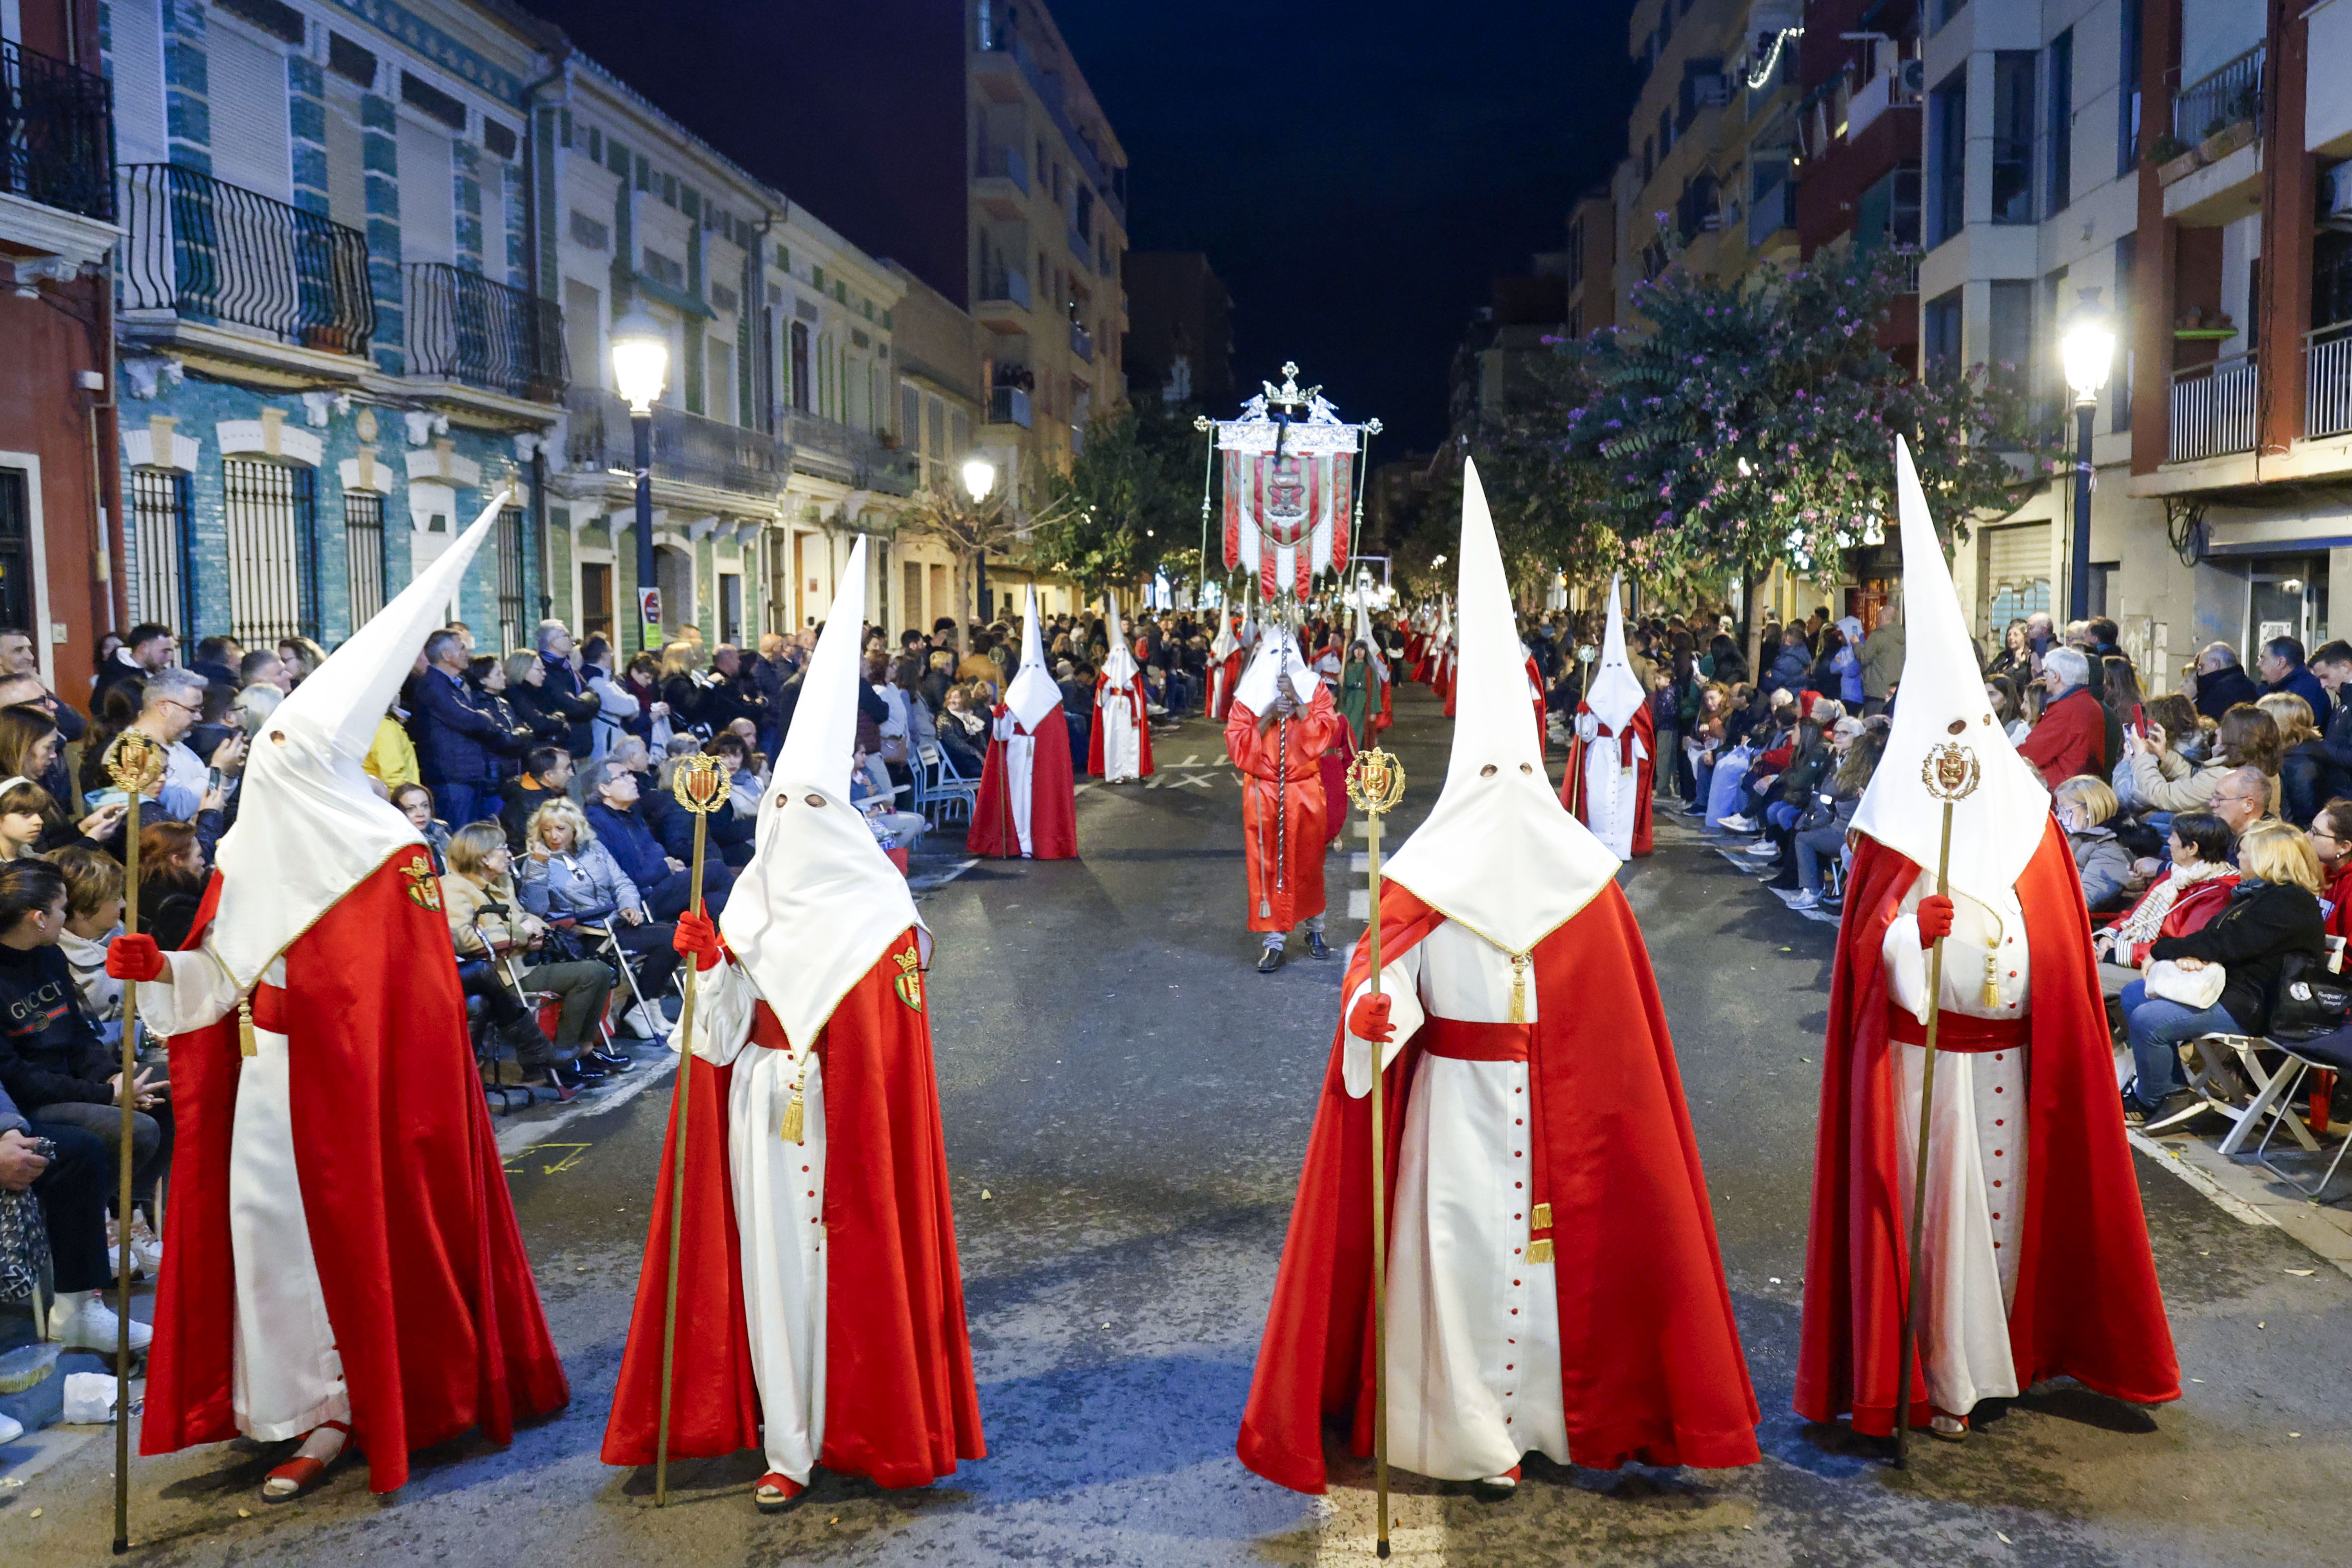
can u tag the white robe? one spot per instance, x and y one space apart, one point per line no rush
1020 776
1613 792
1122 747
1976 1147
287 1376
1472 1366
778 1193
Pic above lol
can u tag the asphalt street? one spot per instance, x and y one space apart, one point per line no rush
1127 1103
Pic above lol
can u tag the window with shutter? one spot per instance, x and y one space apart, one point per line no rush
428 194
251 141
136 48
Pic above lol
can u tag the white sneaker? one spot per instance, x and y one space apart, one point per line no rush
84 1323
146 1247
1762 849
10 1429
647 1022
1736 823
1805 898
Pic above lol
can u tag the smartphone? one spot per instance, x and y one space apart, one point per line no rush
212 777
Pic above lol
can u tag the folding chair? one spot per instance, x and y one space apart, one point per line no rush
603 926
506 968
952 791
2329 1053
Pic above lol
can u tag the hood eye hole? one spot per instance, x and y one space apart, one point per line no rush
1527 767
277 737
816 800
1955 726
1487 772
783 800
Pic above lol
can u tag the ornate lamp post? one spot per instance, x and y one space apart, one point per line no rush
640 370
979 480
2087 347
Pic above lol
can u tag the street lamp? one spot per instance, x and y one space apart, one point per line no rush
2087 347
979 477
640 370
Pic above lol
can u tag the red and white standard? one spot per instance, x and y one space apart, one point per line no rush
1553 1285
341 1262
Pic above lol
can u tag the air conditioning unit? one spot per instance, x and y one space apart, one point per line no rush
2335 197
1910 80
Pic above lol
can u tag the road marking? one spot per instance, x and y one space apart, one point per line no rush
1359 904
2171 1160
519 1136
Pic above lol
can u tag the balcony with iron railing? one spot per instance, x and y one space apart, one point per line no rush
57 135
2212 410
688 449
1082 343
1047 85
2327 381
201 249
464 327
1004 285
860 458
2230 96
1008 406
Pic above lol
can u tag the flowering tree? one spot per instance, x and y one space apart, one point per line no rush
1753 424
1130 499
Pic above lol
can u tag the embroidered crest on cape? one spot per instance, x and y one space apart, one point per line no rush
908 981
423 888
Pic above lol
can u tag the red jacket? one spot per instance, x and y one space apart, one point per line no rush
2070 739
2193 909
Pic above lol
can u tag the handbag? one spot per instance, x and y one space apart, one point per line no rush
2310 1001
2198 988
24 1246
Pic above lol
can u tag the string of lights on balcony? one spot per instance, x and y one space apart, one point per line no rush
1762 74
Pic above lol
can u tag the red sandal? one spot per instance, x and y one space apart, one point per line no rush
301 1473
776 1492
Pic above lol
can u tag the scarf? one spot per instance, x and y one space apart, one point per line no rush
2146 918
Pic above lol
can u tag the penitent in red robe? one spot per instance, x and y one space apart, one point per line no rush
1132 694
2086 1304
1651 1365
1284 818
435 1315
1224 674
1575 783
901 1405
1053 810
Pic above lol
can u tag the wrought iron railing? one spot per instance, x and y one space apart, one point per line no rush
2212 410
2327 380
57 133
464 327
205 249
1008 406
857 456
688 449
2217 102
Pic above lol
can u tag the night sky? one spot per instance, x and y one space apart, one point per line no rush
1357 175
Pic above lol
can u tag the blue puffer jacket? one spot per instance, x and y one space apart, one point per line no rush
586 879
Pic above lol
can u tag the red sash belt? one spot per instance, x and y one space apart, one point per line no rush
1960 1032
1467 1042
270 1009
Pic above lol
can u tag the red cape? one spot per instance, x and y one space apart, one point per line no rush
1335 781
2086 1305
1650 1356
901 1405
436 1314
1645 777
1134 694
1053 809
1224 674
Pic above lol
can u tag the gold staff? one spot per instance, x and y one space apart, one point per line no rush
1375 785
700 786
134 763
1950 773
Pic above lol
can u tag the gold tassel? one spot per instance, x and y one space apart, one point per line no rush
246 1045
1539 1251
1541 1219
1992 978
1519 987
794 1118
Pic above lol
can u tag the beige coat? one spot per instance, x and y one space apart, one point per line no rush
462 899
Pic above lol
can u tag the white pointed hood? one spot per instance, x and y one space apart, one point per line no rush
820 903
1498 852
1616 695
1033 694
1363 633
1997 829
310 827
1226 644
1118 662
1278 650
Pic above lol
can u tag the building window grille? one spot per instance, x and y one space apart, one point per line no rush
16 596
273 570
363 549
512 605
162 580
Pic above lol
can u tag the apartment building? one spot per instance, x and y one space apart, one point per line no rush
1591 265
777 439
960 138
329 351
58 579
1179 335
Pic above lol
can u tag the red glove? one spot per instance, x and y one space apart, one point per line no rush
134 957
697 938
1934 919
1369 1019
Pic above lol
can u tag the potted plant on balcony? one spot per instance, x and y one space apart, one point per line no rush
2174 159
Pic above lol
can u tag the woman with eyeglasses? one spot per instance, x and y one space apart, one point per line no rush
2331 840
